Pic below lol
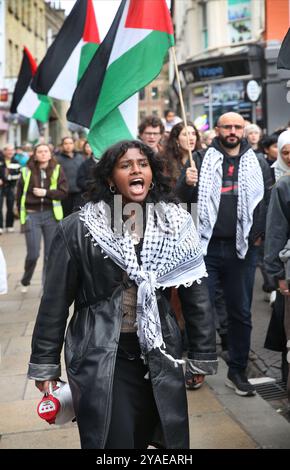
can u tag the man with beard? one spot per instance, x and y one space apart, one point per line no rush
232 197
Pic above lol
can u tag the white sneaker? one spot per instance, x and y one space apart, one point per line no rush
10 230
23 289
1 231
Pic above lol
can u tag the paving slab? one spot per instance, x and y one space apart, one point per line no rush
20 416
13 365
12 387
19 345
10 330
218 431
47 439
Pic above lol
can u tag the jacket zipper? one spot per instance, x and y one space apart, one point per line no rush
109 406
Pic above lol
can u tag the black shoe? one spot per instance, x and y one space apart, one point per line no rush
239 383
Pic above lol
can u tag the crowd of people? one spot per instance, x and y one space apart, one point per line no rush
161 286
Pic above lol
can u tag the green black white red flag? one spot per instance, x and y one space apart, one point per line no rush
25 101
283 61
131 56
70 53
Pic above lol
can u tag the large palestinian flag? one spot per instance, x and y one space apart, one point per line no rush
25 101
283 61
70 53
130 57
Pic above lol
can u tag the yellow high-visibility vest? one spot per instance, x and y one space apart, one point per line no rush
56 205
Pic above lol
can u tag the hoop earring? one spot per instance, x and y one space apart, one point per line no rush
151 185
112 189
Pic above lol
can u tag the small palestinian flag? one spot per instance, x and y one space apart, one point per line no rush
130 57
25 101
70 53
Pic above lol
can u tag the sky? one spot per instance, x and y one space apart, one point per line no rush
105 11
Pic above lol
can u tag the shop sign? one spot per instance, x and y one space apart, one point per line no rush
203 72
253 90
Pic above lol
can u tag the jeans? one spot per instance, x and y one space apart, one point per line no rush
37 224
236 277
8 193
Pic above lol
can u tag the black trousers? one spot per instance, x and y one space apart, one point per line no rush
134 412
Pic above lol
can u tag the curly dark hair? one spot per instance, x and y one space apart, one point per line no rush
98 186
151 121
172 154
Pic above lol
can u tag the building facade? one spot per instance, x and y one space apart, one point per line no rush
154 99
227 55
34 24
25 26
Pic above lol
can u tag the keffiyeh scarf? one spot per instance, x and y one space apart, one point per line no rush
250 193
171 255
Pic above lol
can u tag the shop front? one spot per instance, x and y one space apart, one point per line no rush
218 85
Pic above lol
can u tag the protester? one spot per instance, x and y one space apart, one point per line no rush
176 150
282 164
253 134
70 162
86 150
270 149
85 170
39 191
9 174
151 131
207 138
170 120
276 238
20 156
232 196
125 385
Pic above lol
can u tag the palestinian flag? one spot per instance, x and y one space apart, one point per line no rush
70 53
130 57
25 101
283 61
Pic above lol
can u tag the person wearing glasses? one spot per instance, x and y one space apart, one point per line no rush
151 131
232 196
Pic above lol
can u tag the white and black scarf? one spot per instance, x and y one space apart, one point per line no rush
250 193
171 255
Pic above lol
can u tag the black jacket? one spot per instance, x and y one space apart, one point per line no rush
189 194
78 272
85 173
71 167
277 229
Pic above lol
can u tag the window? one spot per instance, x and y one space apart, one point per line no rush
11 6
142 94
154 93
29 14
204 29
142 115
239 20
10 58
36 25
16 60
24 13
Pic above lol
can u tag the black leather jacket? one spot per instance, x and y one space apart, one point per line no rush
79 272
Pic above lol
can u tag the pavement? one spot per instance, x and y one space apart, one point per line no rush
219 419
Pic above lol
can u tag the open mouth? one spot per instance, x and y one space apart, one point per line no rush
137 185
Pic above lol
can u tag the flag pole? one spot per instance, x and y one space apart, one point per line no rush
192 164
